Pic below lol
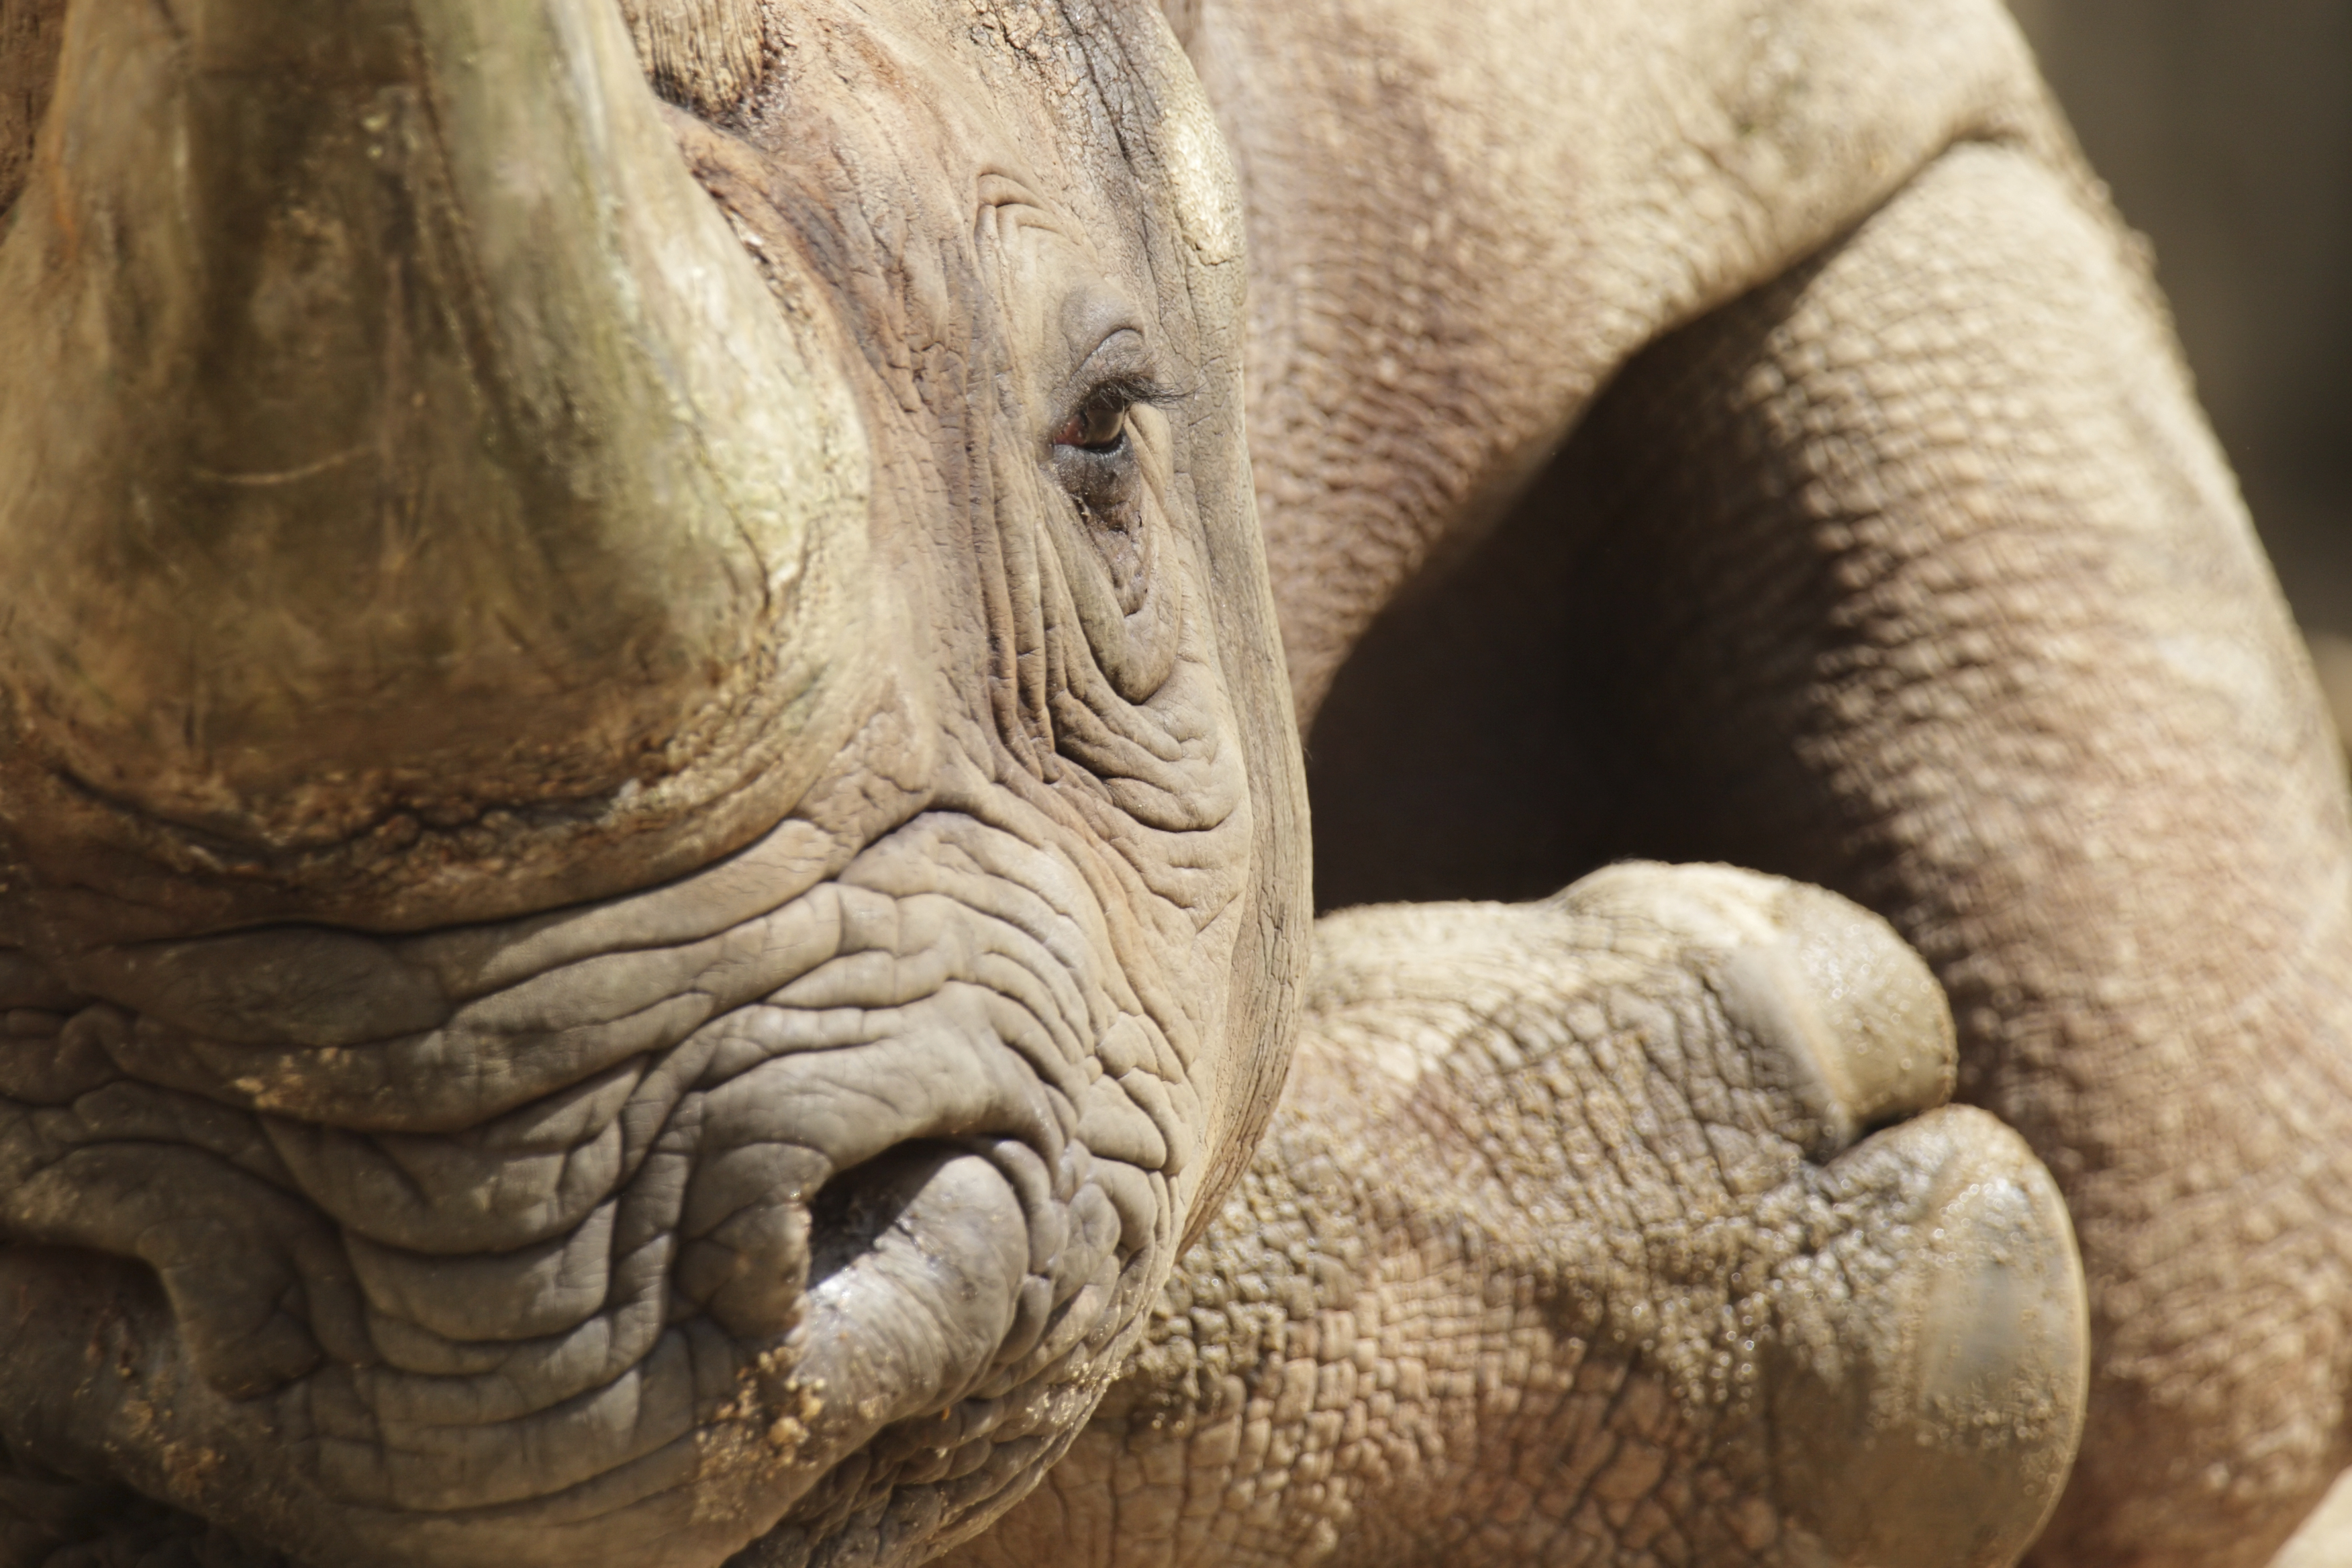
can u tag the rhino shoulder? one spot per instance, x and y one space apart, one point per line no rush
1465 215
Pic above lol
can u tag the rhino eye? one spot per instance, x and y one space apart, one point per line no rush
1098 456
1099 424
1100 427
1094 452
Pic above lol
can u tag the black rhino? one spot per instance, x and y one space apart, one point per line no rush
653 831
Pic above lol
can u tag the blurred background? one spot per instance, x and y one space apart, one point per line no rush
2224 128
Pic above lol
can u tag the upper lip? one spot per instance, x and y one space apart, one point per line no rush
570 1104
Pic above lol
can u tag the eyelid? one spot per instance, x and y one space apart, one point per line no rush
1121 352
1124 392
1118 373
1130 389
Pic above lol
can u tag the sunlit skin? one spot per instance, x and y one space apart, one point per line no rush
655 895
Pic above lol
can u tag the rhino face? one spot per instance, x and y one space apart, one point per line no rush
649 804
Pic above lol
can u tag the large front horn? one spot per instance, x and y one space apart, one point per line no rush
392 427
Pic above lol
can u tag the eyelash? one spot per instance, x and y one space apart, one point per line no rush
1131 390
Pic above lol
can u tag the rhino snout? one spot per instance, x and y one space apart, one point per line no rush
813 1227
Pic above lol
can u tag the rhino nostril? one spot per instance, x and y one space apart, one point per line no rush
852 1212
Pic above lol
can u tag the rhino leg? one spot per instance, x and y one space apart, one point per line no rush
1570 1244
1949 602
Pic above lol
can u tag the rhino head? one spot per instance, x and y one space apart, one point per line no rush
649 818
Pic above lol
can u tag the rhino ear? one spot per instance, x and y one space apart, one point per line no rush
703 55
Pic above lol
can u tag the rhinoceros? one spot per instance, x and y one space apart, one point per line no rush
654 835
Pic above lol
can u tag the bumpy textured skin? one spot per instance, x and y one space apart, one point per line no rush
1743 430
2054 720
1558 1252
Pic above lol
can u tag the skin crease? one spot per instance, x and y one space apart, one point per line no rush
1582 182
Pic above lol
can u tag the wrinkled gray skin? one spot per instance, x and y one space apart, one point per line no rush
655 846
639 916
